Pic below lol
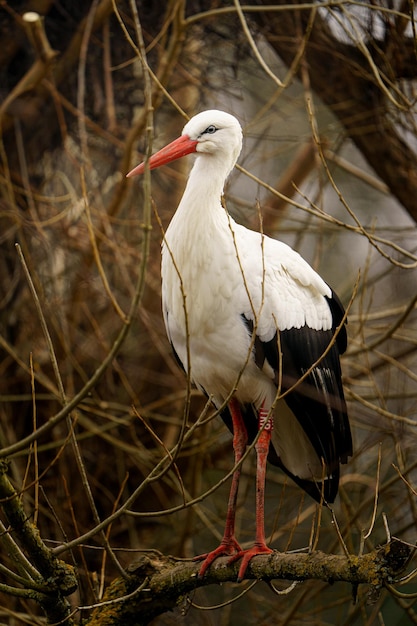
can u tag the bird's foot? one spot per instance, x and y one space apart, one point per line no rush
247 556
228 547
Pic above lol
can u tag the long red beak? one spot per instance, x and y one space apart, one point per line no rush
174 150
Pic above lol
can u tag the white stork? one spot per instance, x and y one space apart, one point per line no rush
251 321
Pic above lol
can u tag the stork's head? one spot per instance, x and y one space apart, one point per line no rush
213 133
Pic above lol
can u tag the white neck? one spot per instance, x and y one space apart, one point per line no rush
207 178
199 221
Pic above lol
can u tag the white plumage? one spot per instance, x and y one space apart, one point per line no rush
246 313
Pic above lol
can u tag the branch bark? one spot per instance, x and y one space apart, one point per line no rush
48 579
156 584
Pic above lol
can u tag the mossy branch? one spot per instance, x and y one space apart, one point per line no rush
49 580
157 584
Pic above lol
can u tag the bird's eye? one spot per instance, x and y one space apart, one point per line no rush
210 129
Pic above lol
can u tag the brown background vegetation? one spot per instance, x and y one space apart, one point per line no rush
326 98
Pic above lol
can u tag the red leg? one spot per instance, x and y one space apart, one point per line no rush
229 545
262 448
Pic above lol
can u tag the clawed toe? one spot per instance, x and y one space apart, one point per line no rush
247 556
226 548
235 552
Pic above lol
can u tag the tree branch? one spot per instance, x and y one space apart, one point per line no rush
157 584
49 579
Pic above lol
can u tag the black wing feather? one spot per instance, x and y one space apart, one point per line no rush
338 312
317 402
